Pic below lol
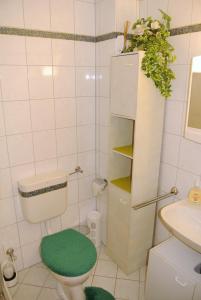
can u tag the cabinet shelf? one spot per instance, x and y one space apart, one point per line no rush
123 183
122 116
126 151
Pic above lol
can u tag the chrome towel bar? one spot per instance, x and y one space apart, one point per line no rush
173 191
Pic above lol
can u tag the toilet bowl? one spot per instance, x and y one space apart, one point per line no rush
74 286
71 257
68 254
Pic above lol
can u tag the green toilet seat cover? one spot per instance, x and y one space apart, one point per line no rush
68 253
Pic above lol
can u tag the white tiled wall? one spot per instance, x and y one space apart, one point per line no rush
72 16
47 106
181 158
183 12
110 16
104 50
47 113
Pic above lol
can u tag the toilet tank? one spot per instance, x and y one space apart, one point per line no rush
43 196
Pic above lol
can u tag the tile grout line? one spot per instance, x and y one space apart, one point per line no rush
54 103
179 168
34 285
52 129
98 257
115 284
29 101
10 173
76 116
53 84
31 131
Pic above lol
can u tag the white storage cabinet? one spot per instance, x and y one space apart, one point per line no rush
136 128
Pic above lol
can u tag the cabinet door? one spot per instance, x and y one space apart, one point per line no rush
165 283
124 84
118 222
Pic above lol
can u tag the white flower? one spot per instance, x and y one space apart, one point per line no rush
139 30
155 25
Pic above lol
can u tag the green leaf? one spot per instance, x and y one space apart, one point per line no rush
158 52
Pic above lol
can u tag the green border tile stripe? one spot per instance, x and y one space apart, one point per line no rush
86 38
173 32
46 34
108 36
185 29
43 190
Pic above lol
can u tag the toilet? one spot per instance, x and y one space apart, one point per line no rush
69 254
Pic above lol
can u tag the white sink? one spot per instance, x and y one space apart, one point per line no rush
183 220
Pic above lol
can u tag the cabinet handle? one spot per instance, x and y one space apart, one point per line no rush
179 281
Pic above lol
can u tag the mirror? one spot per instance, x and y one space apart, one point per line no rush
193 119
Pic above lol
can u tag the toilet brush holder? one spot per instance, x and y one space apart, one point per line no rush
9 273
8 269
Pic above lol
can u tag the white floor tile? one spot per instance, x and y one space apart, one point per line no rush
40 265
106 268
27 292
98 249
22 274
94 268
48 294
127 289
14 289
36 276
133 276
37 283
50 282
88 282
142 291
103 255
105 283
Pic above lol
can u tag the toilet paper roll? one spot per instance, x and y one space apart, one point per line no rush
98 186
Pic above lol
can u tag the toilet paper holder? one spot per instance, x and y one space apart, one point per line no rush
106 183
99 185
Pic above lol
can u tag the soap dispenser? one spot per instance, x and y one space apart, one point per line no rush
194 194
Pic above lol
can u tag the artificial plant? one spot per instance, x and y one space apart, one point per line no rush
151 36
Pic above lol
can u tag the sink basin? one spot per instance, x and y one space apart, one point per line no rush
183 220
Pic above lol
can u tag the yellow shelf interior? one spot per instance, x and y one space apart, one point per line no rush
123 183
125 150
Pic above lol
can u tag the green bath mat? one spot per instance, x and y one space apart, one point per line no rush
95 293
